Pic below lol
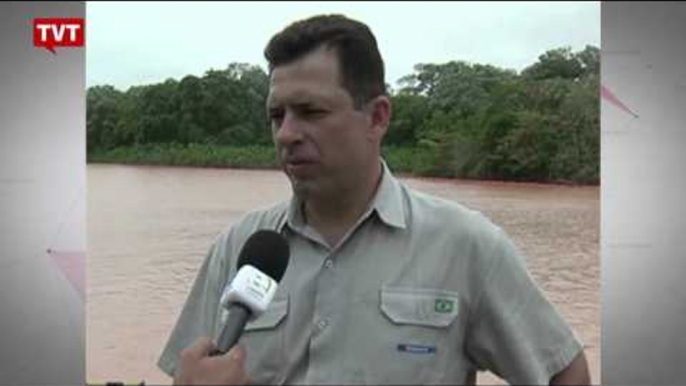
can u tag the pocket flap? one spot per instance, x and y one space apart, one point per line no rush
275 313
419 306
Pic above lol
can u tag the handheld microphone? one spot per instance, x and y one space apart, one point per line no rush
261 265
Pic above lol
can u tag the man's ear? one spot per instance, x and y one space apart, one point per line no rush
380 114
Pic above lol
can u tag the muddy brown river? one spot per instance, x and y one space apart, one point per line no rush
149 229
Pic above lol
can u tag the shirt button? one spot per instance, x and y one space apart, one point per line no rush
322 324
328 263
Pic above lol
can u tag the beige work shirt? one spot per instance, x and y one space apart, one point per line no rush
421 290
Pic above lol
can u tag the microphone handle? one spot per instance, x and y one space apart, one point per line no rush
233 329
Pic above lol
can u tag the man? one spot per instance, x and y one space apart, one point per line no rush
385 284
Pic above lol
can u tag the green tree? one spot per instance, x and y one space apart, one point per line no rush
409 113
459 118
557 63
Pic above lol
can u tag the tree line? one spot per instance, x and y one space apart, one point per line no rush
455 119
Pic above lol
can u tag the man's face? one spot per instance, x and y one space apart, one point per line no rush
324 144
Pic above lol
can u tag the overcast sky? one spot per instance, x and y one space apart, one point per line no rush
141 43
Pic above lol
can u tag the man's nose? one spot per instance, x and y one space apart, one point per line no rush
290 130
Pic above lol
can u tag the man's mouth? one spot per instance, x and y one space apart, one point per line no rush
299 166
297 161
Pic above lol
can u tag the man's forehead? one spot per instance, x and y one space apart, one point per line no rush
315 75
299 90
300 94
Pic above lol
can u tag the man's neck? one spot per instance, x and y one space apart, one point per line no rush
332 217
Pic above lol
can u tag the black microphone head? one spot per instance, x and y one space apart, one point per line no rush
267 251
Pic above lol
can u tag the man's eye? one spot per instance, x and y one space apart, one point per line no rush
314 112
276 116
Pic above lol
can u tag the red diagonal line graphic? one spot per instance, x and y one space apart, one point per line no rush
73 266
609 96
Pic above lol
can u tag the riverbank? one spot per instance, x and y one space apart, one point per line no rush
404 160
407 161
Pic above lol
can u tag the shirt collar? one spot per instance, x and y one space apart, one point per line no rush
387 203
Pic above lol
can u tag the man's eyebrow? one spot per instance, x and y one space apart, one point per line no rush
297 102
306 104
273 104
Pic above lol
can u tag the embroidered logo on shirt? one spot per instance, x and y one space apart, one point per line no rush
444 306
416 348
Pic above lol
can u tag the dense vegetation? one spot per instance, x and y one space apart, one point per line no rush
455 119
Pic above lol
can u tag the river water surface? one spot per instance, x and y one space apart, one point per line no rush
150 227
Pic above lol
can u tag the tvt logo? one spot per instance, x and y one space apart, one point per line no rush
58 32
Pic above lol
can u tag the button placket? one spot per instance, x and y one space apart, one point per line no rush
322 306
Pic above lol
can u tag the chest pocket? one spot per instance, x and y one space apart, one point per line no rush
420 307
264 342
422 340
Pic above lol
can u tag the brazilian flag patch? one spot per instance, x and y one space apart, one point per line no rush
444 306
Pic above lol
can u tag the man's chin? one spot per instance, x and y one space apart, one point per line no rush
301 188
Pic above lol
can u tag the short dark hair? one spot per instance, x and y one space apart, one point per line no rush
359 59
